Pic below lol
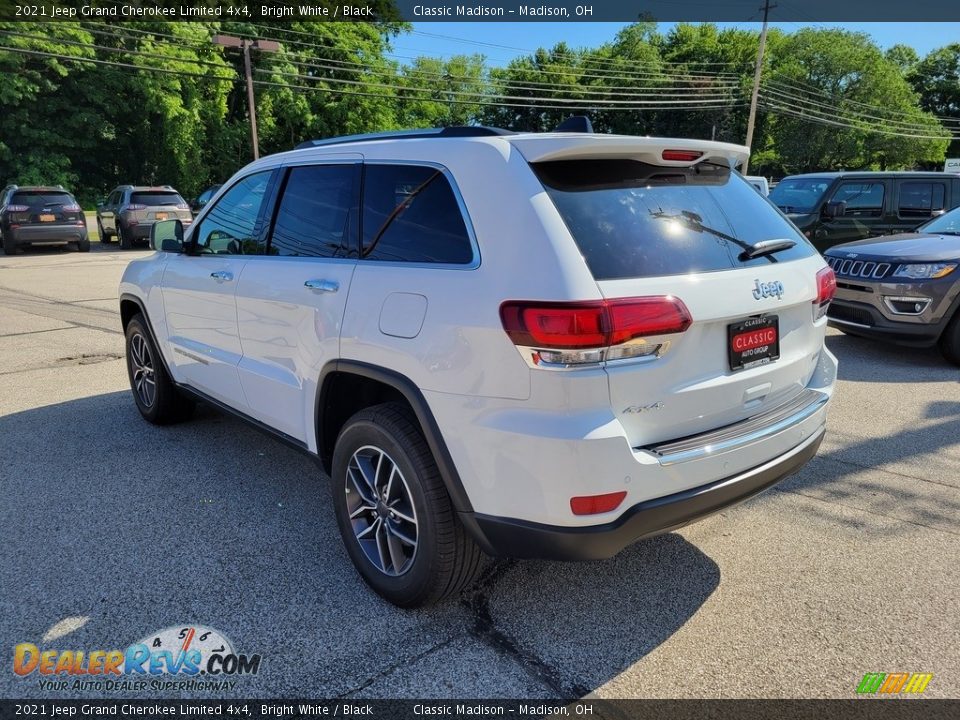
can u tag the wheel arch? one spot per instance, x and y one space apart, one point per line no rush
348 386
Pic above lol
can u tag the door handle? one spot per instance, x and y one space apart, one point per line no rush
328 286
221 275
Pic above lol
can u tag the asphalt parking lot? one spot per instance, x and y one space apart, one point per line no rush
112 529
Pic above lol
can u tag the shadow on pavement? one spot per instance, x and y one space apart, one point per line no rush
114 529
865 360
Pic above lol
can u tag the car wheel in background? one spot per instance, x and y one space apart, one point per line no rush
395 516
157 398
123 237
83 245
950 340
9 247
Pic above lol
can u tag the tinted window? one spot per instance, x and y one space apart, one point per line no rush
230 227
863 199
40 199
630 219
920 199
154 198
410 213
948 224
314 215
799 195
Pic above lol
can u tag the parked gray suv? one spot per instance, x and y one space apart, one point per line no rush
904 288
130 211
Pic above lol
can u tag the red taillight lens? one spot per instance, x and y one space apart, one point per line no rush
136 206
826 289
17 208
592 324
681 155
595 504
183 206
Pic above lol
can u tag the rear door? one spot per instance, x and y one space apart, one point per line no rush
290 301
108 213
199 290
648 231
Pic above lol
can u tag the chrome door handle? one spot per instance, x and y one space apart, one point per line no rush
221 275
328 286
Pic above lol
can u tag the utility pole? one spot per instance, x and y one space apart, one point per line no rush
751 119
246 46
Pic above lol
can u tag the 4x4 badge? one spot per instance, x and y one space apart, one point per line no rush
765 290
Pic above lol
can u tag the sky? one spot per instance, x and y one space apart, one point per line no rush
501 42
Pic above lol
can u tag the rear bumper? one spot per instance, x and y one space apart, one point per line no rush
520 539
37 234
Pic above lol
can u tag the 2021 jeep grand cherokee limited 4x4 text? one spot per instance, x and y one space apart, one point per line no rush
533 345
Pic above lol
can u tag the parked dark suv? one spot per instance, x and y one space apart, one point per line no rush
839 207
130 211
200 202
41 216
904 288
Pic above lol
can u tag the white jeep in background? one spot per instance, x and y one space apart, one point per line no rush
526 345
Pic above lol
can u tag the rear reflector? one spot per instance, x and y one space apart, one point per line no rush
826 289
595 504
592 324
682 155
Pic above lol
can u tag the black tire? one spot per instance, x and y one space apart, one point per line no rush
83 245
950 340
104 238
9 247
124 238
165 405
444 559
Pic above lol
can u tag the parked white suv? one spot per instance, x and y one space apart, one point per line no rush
529 345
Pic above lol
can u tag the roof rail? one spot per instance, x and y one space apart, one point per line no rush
457 131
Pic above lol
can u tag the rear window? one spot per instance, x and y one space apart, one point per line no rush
39 199
630 219
155 198
799 195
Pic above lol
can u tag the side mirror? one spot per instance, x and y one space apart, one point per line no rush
167 236
101 202
834 209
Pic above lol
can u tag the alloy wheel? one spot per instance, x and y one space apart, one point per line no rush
382 514
144 380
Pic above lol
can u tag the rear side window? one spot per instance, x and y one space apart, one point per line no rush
314 217
630 219
920 199
38 199
410 214
154 198
863 199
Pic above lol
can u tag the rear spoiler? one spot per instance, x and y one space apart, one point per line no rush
654 151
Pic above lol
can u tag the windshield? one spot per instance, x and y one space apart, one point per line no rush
153 199
630 219
948 224
40 198
799 195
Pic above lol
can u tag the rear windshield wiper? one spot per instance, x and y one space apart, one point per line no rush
763 248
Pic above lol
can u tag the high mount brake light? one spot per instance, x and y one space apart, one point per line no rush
573 333
681 155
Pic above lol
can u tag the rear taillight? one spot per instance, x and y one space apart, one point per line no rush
72 207
681 155
826 289
182 206
136 206
18 208
592 331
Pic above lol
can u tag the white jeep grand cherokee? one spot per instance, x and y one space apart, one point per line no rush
528 345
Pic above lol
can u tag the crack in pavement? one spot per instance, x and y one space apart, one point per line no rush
485 630
78 315
396 666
